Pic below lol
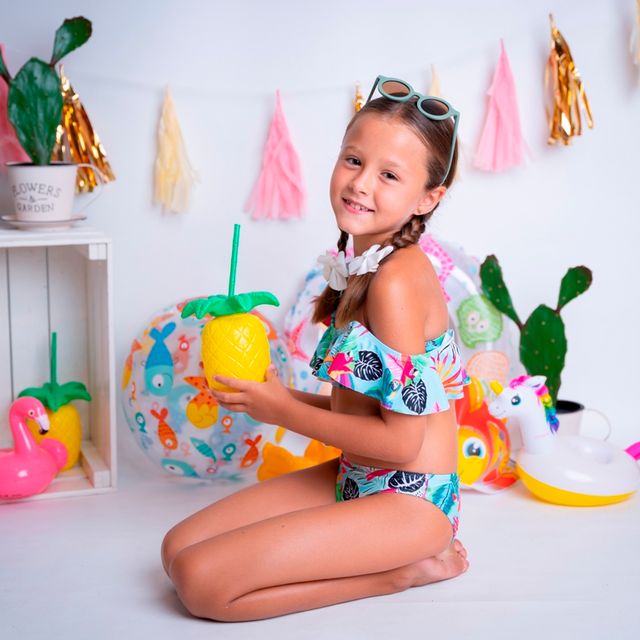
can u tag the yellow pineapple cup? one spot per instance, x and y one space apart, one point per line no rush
234 343
63 416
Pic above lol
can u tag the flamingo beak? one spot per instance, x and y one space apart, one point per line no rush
43 422
496 387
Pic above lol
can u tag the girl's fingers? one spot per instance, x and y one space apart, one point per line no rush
234 383
228 397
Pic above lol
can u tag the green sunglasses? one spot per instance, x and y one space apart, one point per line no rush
431 107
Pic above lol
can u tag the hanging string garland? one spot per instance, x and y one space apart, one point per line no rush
279 191
501 144
174 177
567 91
10 149
77 141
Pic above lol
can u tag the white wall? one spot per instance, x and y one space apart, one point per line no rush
568 206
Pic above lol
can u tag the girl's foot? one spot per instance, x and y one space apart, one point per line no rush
448 564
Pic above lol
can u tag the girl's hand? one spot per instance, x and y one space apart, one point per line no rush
264 401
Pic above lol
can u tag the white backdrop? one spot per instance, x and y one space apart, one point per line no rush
224 60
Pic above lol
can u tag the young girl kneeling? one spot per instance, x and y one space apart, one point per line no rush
382 517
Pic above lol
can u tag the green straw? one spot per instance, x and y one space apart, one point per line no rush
53 364
234 259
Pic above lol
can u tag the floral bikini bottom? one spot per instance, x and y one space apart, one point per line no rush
441 489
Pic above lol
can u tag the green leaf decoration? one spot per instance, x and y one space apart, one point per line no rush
54 395
4 72
73 33
575 282
220 305
495 289
35 109
543 347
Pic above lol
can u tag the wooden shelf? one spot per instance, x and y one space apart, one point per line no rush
61 281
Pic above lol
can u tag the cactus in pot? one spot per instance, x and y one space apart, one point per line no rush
543 342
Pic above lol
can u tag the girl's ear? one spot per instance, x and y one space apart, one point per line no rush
430 200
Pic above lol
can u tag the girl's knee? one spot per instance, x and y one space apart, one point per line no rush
198 589
172 544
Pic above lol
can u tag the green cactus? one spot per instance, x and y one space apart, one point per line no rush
543 343
34 103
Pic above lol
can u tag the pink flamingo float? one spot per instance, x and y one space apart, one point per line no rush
29 467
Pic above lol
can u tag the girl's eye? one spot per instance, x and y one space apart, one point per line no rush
389 176
353 161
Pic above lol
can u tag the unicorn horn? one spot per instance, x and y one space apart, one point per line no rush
496 387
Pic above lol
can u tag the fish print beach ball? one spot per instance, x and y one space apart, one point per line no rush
171 413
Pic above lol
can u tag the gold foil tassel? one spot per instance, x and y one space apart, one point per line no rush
566 92
174 176
77 141
359 100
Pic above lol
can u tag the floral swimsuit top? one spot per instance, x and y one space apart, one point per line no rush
353 358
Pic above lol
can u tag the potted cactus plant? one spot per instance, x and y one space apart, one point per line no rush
34 106
234 342
543 342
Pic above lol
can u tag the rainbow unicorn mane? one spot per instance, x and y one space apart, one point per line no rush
543 396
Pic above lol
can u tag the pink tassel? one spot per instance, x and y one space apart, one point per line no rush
10 148
501 144
279 192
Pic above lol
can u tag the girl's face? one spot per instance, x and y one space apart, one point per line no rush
379 180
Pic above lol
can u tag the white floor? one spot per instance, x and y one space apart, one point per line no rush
88 568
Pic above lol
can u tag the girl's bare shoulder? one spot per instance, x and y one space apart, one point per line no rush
404 298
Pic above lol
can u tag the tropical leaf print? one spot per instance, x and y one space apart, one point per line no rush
414 396
350 490
408 482
368 366
445 495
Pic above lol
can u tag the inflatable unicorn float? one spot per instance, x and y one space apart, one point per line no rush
567 470
29 467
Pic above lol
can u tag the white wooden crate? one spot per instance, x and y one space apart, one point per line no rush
61 281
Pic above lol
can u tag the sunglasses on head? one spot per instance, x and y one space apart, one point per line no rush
431 107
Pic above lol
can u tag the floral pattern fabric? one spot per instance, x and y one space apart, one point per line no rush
355 359
442 489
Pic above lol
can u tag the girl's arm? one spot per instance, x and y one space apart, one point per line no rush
312 399
393 437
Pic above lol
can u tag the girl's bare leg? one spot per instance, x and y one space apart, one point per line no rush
299 490
317 556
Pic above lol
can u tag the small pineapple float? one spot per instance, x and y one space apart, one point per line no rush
234 342
63 416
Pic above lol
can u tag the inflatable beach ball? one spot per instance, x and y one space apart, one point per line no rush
171 413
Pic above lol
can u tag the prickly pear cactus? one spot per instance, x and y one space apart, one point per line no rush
543 343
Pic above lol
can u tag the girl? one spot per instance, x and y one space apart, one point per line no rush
383 517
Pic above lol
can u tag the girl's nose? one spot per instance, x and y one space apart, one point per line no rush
360 183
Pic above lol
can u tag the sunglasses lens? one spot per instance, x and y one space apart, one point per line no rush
434 107
395 88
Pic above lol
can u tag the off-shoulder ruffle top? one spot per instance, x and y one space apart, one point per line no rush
353 358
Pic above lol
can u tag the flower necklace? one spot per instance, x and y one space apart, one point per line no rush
337 268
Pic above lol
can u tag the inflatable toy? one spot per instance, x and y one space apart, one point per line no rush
567 470
484 446
29 467
173 416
